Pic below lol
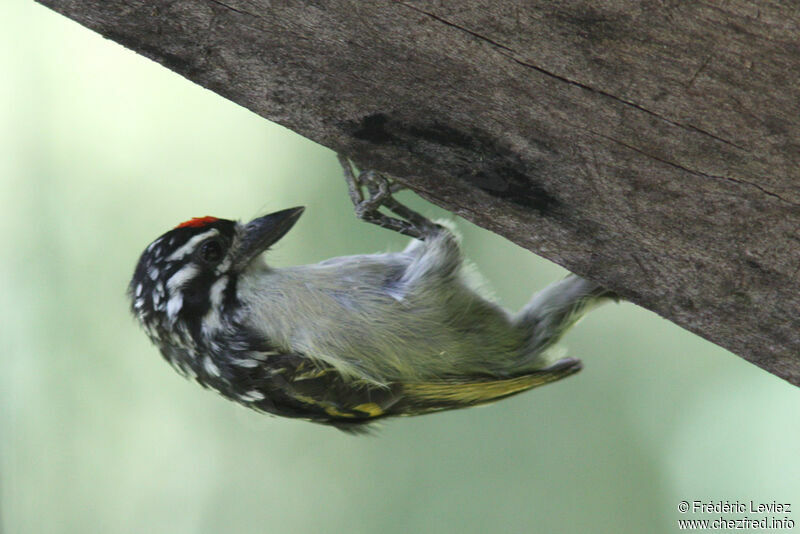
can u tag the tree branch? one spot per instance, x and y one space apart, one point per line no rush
651 146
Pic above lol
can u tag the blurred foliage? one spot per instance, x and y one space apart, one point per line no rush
102 150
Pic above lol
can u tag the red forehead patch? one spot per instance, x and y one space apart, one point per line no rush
197 222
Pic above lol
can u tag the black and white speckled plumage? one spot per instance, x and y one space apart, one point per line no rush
197 325
347 341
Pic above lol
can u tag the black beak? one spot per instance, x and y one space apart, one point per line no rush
261 233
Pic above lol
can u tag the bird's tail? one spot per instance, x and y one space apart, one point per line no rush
553 311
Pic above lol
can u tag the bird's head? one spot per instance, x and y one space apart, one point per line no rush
187 277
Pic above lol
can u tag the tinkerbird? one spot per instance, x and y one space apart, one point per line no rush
351 340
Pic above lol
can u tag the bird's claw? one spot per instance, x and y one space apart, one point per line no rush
380 190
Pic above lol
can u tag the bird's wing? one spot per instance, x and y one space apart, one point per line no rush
461 392
302 388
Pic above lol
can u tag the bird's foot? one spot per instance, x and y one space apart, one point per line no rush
380 190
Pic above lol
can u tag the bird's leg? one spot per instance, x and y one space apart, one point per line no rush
380 191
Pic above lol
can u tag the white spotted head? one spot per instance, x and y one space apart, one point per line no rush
185 282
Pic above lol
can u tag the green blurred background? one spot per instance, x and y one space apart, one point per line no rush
102 150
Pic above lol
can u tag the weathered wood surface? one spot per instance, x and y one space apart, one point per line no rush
652 146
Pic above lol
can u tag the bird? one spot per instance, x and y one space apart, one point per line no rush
351 340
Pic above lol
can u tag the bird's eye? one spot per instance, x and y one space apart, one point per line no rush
211 251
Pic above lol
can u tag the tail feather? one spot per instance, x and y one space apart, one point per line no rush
554 310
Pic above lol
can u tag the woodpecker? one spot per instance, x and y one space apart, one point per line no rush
351 340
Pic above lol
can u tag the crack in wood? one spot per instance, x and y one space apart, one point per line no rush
696 172
235 10
515 56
